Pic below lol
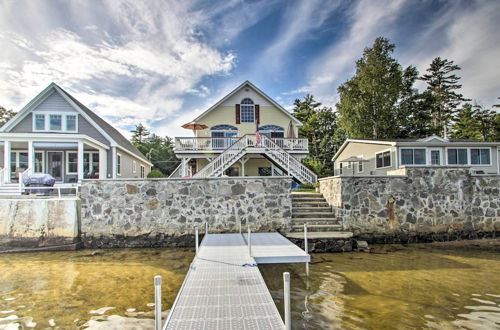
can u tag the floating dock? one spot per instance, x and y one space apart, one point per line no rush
224 288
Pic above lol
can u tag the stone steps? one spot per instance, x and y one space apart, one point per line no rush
321 235
312 209
327 215
314 221
317 228
309 204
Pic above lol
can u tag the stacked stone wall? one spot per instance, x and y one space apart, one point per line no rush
164 212
426 204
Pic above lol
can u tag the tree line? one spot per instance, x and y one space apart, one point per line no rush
381 102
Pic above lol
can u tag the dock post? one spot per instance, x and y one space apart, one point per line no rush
206 228
306 247
240 226
249 242
196 238
286 300
157 302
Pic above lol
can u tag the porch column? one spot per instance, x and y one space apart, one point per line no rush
80 161
243 162
31 157
113 162
6 161
103 163
184 162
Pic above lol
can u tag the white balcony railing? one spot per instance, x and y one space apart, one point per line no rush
222 143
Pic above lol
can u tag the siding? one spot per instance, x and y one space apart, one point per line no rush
368 151
55 102
127 166
24 126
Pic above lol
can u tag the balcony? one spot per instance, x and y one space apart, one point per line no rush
216 144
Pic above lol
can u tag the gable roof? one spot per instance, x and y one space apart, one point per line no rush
264 95
109 132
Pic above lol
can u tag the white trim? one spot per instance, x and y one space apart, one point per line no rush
470 156
48 137
43 161
63 174
143 171
429 156
237 89
134 166
433 137
390 159
64 121
119 164
67 162
400 149
446 156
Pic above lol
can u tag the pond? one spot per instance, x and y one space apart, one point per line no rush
399 287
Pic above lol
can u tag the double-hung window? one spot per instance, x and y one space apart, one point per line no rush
55 122
413 156
143 170
72 163
480 156
383 159
118 164
247 111
457 156
39 122
71 123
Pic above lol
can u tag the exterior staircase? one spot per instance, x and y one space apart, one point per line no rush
250 143
313 210
10 189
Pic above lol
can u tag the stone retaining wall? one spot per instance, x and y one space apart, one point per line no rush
438 203
38 222
163 212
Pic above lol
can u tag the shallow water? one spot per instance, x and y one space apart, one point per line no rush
409 287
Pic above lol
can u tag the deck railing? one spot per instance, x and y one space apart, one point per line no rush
222 143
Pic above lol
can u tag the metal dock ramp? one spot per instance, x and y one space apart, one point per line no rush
224 289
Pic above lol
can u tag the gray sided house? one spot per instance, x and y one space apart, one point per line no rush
56 134
385 157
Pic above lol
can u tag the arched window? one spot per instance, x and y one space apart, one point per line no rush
272 131
247 113
223 136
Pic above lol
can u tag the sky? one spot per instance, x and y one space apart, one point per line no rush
161 63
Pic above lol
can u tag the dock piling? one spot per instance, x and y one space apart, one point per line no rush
196 238
306 247
286 300
157 283
206 228
249 242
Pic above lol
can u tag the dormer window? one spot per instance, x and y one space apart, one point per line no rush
55 122
247 113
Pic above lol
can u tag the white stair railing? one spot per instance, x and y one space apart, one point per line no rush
177 172
292 165
217 166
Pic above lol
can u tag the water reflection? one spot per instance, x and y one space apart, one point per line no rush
400 288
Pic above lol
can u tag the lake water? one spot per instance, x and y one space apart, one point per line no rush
417 286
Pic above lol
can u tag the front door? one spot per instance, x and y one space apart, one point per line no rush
435 156
55 164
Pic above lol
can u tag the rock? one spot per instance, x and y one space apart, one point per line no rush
131 189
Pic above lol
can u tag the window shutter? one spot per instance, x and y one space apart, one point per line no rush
257 114
237 113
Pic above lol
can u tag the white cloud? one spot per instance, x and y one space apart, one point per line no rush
140 74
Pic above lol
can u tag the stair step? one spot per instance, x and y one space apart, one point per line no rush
313 228
301 194
308 200
322 235
308 215
310 204
308 196
311 209
314 221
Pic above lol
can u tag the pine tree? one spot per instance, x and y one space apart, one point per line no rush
466 125
368 101
443 86
139 133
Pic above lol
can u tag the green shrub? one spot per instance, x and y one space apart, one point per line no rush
154 174
306 186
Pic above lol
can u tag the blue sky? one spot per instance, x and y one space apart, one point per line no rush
163 62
